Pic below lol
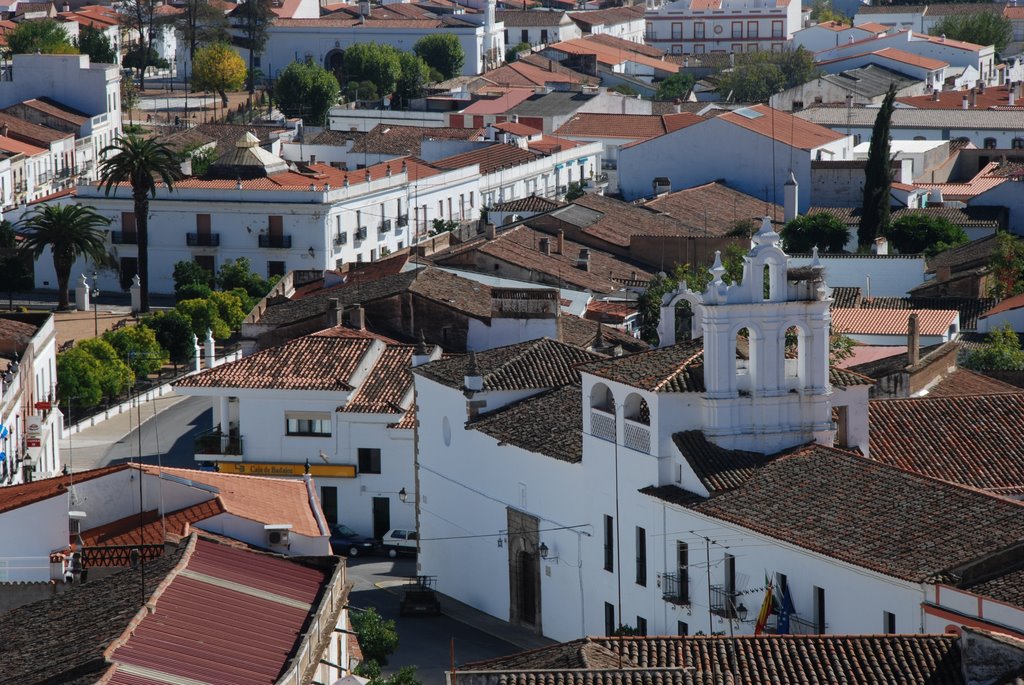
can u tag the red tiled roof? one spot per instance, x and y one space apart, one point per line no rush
315 362
714 207
892 321
386 386
625 125
490 158
549 145
500 105
407 140
607 54
126 531
256 498
524 74
971 440
1009 304
964 382
606 310
16 496
994 96
517 129
782 126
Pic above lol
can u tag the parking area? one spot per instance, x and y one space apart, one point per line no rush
426 641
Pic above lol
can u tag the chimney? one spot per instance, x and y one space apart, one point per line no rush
1011 94
935 94
515 118
333 312
364 8
964 103
981 86
849 100
5 130
677 106
472 381
791 198
913 341
545 245
490 232
66 7
881 246
973 94
561 241
357 318
421 354
942 38
583 261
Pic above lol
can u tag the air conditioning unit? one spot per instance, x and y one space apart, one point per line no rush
278 535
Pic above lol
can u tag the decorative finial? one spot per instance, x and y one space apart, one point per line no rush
306 467
717 270
599 337
472 369
814 256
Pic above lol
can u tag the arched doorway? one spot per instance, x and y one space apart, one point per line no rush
334 62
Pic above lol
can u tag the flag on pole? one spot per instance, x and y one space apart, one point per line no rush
766 609
785 610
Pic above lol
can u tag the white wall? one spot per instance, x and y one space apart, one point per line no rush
1009 194
1013 317
27 536
890 276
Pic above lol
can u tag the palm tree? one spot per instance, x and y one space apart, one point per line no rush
139 162
70 231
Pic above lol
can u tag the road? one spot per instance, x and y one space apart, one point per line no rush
423 641
171 434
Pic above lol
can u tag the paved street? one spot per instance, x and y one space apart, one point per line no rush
170 433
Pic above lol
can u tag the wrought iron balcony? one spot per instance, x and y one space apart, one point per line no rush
403 220
384 226
281 241
361 233
216 443
797 626
341 239
124 237
119 555
675 588
202 239
724 601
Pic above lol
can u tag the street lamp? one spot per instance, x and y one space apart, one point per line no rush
28 467
403 495
94 292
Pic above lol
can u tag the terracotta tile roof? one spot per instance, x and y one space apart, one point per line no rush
126 531
781 126
549 65
517 129
314 362
16 496
625 125
491 158
609 311
715 205
964 382
718 469
969 255
616 222
517 18
1013 13
839 377
583 333
870 514
533 203
48 640
532 365
970 308
332 21
27 132
407 422
387 385
958 44
548 424
520 246
613 55
972 440
256 498
501 104
994 96
1007 305
845 297
760 660
892 321
55 109
608 17
910 58
393 139
1008 588
522 74
676 368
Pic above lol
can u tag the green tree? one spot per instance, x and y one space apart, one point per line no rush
377 637
115 376
200 23
823 230
823 11
512 53
1001 353
140 59
139 17
442 51
174 333
378 64
203 316
1007 267
239 274
78 378
138 346
574 191
15 264
253 20
39 35
756 76
371 670
920 233
306 90
95 43
129 95
361 90
677 85
229 308
69 232
982 28
415 76
219 69
877 176
189 272
443 226
139 162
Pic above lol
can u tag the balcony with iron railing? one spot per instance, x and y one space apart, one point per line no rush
360 233
119 555
276 241
724 601
215 444
403 220
384 226
124 237
340 239
797 626
602 424
675 588
202 239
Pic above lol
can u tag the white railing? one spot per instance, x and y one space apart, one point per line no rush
602 425
637 436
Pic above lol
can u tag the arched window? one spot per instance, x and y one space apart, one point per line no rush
742 353
792 352
684 321
990 143
602 413
1017 143
601 398
637 410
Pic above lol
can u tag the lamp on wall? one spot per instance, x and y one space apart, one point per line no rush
403 496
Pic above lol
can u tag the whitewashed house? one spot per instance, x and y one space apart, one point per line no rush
665 490
696 27
537 27
30 436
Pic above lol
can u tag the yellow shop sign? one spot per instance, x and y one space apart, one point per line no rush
272 469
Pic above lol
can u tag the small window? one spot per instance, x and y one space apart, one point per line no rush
1017 143
369 460
641 556
641 626
682 628
888 623
275 268
609 543
308 425
990 143
819 610
609 619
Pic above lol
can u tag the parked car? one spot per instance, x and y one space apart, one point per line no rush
346 541
397 541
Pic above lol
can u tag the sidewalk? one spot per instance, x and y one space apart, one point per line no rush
520 637
88 449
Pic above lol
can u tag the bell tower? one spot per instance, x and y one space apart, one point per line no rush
766 345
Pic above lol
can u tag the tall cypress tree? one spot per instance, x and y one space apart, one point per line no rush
874 215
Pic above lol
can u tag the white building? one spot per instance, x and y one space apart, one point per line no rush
625 22
695 27
537 27
739 147
829 34
30 436
635 490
